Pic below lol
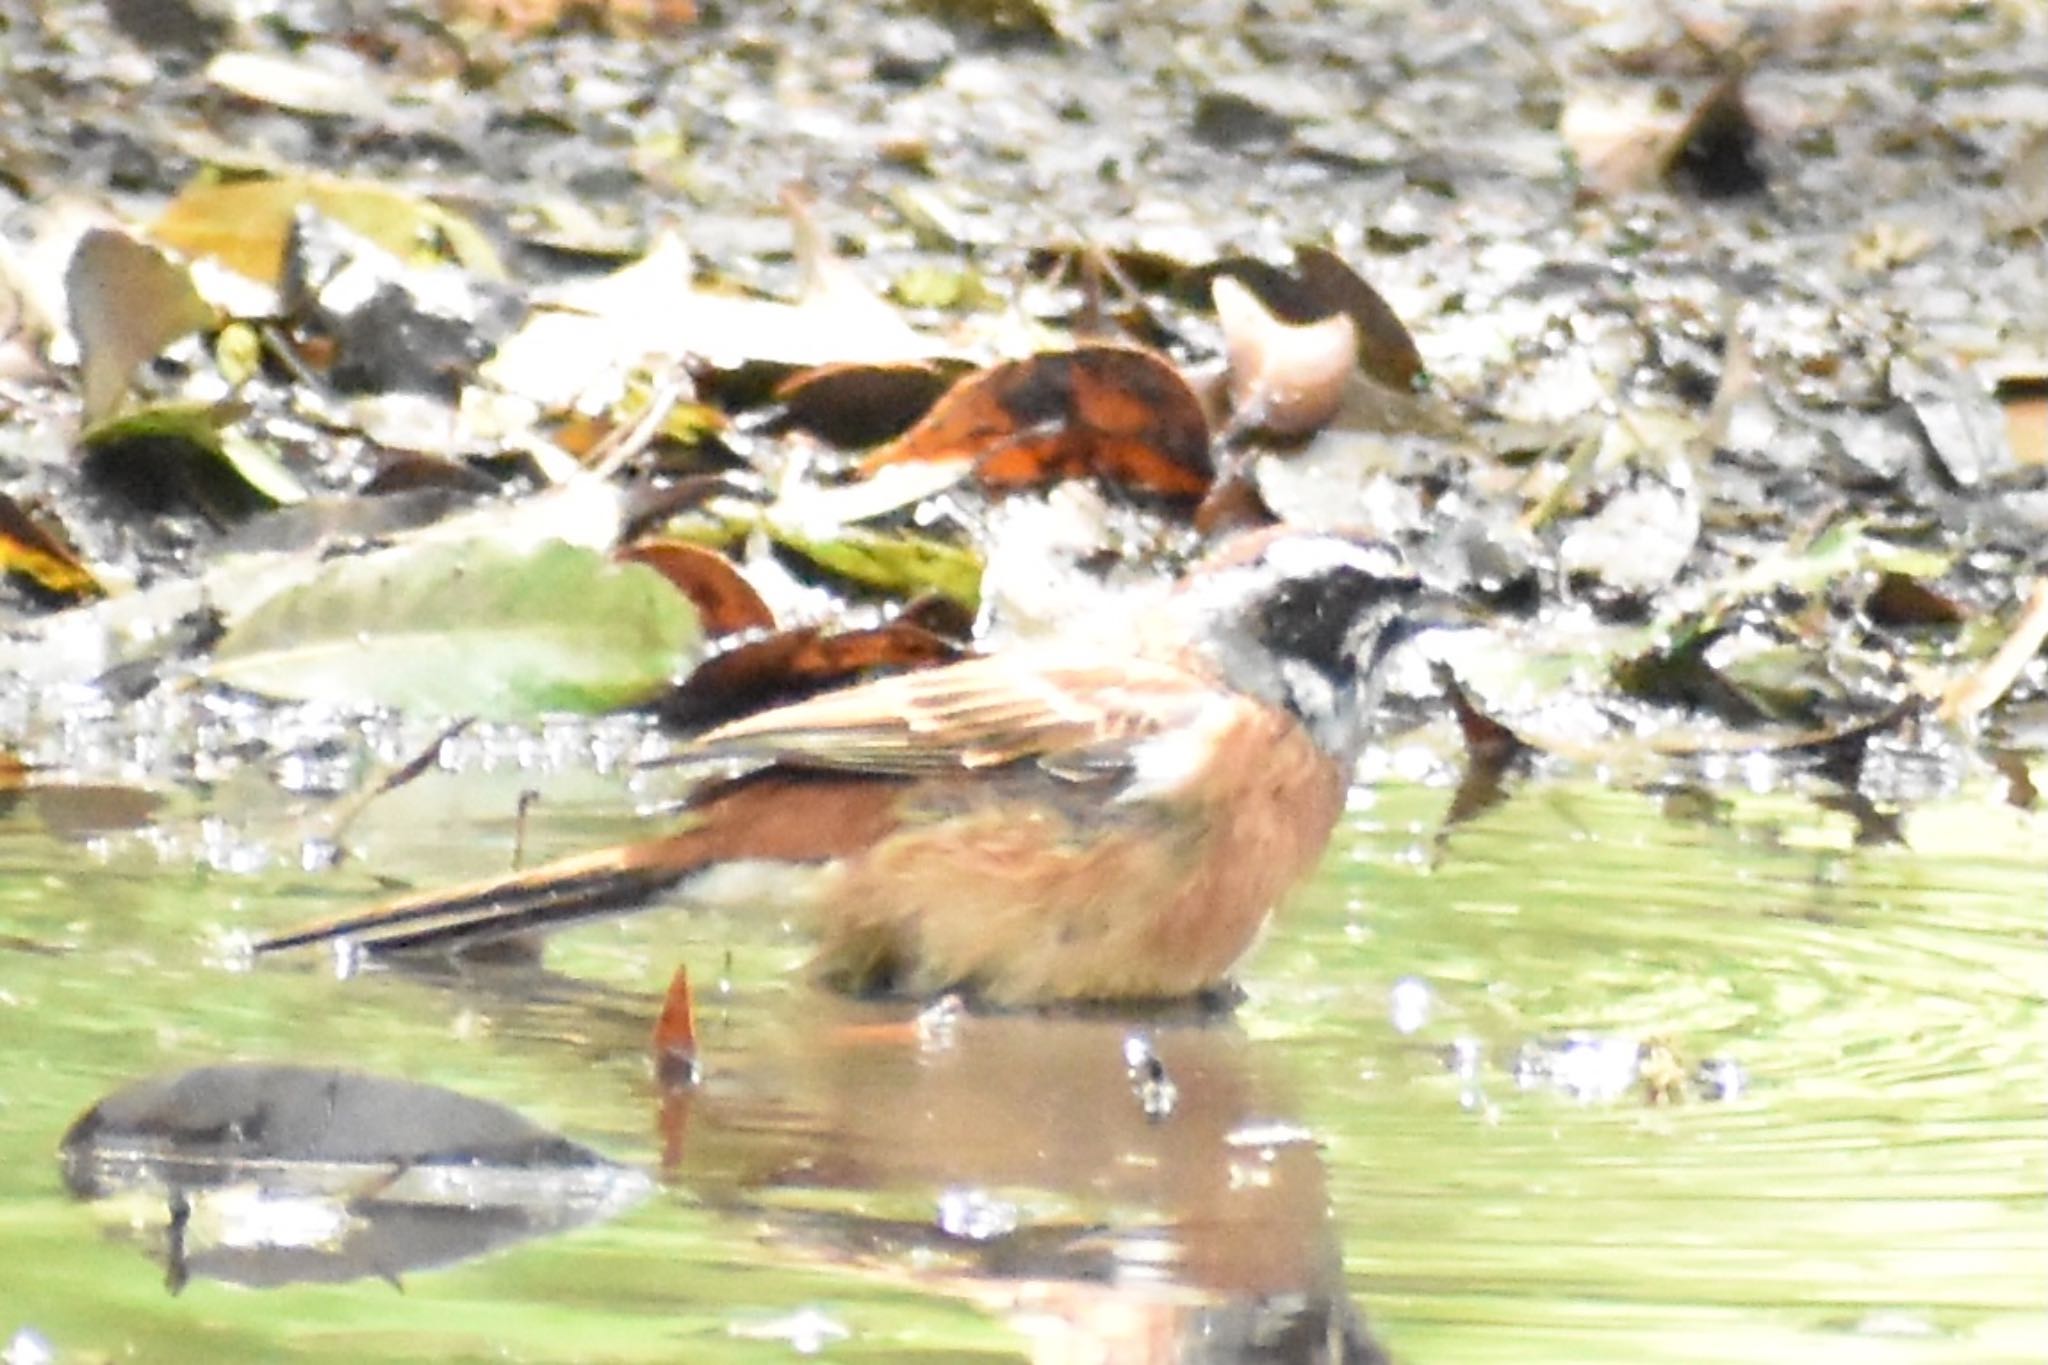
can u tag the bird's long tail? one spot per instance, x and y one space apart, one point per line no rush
537 901
780 818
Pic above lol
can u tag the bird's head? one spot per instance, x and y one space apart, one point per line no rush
1308 621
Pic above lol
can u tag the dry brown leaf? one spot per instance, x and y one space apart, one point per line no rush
726 602
1386 348
1630 140
527 18
860 404
2024 399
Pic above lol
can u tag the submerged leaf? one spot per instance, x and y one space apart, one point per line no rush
467 628
274 1175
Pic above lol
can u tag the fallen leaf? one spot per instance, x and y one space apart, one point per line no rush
675 1034
585 337
1903 600
182 451
528 18
40 556
899 563
2024 399
726 603
274 1174
792 664
298 85
1714 154
1285 379
127 301
1630 140
1386 348
466 628
244 224
1113 412
861 404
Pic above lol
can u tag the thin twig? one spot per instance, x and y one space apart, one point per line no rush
1978 691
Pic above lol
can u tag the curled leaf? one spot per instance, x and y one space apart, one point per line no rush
1386 349
1285 379
726 603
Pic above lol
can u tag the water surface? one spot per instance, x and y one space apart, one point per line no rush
1470 1176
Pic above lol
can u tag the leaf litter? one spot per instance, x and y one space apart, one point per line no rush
1733 464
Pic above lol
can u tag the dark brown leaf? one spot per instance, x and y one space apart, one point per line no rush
1386 349
858 404
798 663
726 602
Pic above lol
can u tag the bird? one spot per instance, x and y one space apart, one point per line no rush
1109 815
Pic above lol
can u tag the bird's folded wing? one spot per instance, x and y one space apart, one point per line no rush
979 713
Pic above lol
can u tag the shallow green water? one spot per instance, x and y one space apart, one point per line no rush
1877 1194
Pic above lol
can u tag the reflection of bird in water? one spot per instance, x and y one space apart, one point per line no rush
1105 1225
1114 816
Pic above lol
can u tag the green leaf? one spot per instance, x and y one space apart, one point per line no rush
895 562
467 628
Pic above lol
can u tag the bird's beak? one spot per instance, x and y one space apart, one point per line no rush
1430 611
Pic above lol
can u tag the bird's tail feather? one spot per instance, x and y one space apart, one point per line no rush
536 901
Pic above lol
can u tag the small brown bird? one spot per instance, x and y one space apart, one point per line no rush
1107 818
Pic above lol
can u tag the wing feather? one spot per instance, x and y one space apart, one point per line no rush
978 713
